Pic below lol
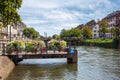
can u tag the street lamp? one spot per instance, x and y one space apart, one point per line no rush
45 34
69 41
46 41
9 27
20 34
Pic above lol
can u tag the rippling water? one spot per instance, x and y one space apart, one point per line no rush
93 64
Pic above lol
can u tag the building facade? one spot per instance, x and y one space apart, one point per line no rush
95 31
94 27
113 20
16 31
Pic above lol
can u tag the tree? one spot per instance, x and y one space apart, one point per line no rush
55 36
116 32
103 27
71 33
30 33
1 25
8 11
64 33
87 32
75 32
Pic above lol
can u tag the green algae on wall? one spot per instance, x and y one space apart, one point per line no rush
6 66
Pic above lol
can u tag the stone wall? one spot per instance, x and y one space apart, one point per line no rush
6 67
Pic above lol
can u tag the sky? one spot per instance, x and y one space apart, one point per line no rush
51 16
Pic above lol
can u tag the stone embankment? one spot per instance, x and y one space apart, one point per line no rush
6 67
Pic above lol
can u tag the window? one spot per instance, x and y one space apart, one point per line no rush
95 27
94 34
94 30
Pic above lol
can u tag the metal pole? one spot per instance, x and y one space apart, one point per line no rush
9 25
10 32
70 43
3 51
46 46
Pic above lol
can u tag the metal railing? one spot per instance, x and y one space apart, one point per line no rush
3 43
37 51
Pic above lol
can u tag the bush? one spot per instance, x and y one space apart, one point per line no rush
55 44
35 46
31 47
116 42
15 46
106 43
19 46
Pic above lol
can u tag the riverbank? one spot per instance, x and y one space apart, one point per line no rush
105 43
6 67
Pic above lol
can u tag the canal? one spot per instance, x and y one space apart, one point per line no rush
93 64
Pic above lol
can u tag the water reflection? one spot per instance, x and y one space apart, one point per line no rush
41 71
93 64
99 63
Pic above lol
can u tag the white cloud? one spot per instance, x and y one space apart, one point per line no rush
39 4
66 26
58 15
53 15
32 21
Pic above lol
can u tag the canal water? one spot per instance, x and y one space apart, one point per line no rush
93 64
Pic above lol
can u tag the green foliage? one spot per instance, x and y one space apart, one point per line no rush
31 46
105 43
64 33
8 11
55 36
55 44
71 33
103 27
116 32
1 25
41 44
99 40
30 33
14 46
116 42
35 46
104 23
63 44
87 32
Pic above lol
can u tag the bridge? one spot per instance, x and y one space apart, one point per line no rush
16 57
71 58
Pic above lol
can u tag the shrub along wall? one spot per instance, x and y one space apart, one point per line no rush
105 45
111 44
6 67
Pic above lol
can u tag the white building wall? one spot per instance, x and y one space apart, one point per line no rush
95 31
14 32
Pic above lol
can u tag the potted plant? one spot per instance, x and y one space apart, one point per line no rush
57 44
14 47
